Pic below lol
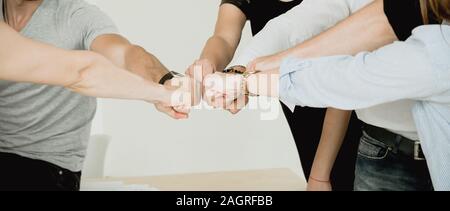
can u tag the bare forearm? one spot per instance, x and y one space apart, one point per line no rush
130 57
367 30
45 69
334 130
144 64
85 72
218 52
221 46
101 78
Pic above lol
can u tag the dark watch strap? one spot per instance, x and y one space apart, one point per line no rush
238 69
169 76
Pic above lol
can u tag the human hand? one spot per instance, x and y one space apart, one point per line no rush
265 63
226 91
185 101
174 112
200 69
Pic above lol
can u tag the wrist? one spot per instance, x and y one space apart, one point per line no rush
320 177
251 84
211 65
321 170
157 93
169 76
318 174
249 79
321 180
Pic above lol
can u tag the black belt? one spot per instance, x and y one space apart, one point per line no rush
395 142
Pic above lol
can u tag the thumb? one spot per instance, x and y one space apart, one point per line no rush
198 72
178 98
251 66
172 112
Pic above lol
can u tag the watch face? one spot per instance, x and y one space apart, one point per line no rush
239 69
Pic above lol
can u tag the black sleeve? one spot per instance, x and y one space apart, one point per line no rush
243 5
404 16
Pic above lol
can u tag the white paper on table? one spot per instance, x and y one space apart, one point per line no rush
114 186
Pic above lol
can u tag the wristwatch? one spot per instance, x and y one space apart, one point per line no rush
238 69
242 70
169 76
246 75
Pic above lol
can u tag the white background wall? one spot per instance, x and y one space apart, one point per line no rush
146 142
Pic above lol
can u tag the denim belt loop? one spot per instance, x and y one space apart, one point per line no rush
398 140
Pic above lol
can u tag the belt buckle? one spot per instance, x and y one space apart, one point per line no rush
418 153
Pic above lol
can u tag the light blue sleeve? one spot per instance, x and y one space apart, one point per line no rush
395 72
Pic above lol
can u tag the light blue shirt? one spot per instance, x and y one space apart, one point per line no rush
417 69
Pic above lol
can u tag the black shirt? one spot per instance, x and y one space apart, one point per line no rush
404 16
259 12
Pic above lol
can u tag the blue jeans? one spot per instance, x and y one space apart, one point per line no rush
378 168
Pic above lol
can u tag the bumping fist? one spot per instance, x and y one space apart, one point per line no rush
224 90
183 97
200 69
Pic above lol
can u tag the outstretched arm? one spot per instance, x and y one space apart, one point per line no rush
88 73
